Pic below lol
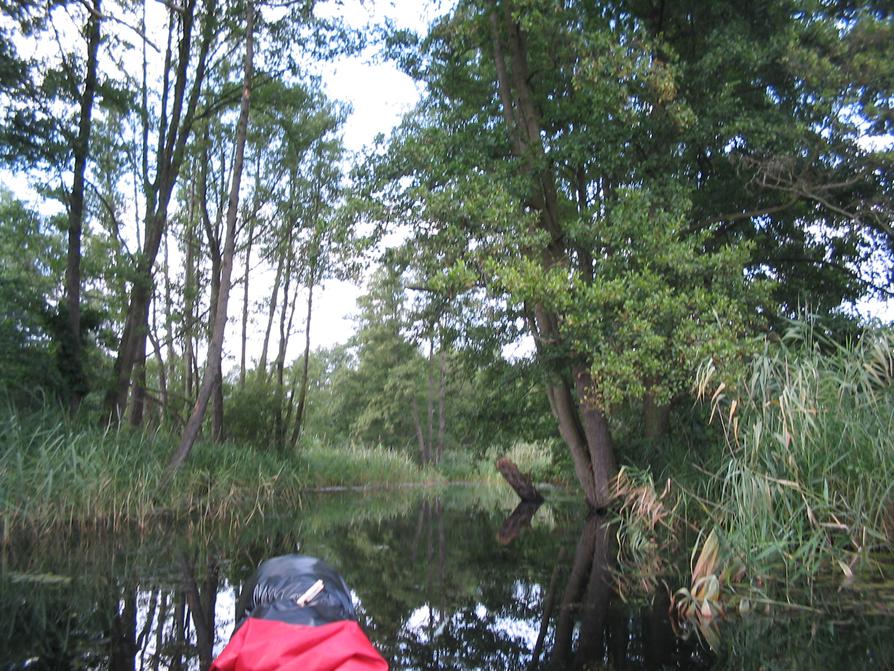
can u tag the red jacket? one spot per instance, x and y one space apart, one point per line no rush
266 645
282 624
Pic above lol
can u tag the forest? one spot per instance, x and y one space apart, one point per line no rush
625 243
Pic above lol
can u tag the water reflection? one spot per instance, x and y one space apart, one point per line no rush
440 582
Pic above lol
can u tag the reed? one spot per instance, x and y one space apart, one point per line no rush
54 474
806 476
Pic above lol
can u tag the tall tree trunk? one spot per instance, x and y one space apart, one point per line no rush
212 233
162 372
581 421
138 397
168 364
251 236
190 296
271 312
442 404
420 436
217 406
279 365
72 358
174 131
305 364
214 351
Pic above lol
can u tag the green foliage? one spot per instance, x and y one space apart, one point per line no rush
701 162
653 310
500 404
31 259
374 390
33 331
250 411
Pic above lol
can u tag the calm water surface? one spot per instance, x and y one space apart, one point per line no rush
451 581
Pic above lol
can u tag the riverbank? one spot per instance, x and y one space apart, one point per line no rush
800 482
56 474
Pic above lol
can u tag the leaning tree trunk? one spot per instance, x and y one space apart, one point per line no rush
72 359
582 424
212 233
212 370
242 368
190 294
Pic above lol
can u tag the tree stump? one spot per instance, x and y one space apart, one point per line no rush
520 482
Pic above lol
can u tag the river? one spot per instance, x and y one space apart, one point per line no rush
441 580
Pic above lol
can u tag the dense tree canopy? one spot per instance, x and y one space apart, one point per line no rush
644 183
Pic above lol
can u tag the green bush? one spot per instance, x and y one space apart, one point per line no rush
251 411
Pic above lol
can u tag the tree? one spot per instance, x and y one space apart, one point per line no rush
47 124
181 89
327 235
596 169
378 397
212 375
72 358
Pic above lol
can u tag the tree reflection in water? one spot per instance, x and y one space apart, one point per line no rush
593 629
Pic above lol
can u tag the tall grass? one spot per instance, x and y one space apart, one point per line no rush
807 476
54 474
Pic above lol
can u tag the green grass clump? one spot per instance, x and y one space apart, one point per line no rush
807 474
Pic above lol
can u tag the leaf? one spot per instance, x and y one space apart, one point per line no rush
707 560
709 633
848 573
40 578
